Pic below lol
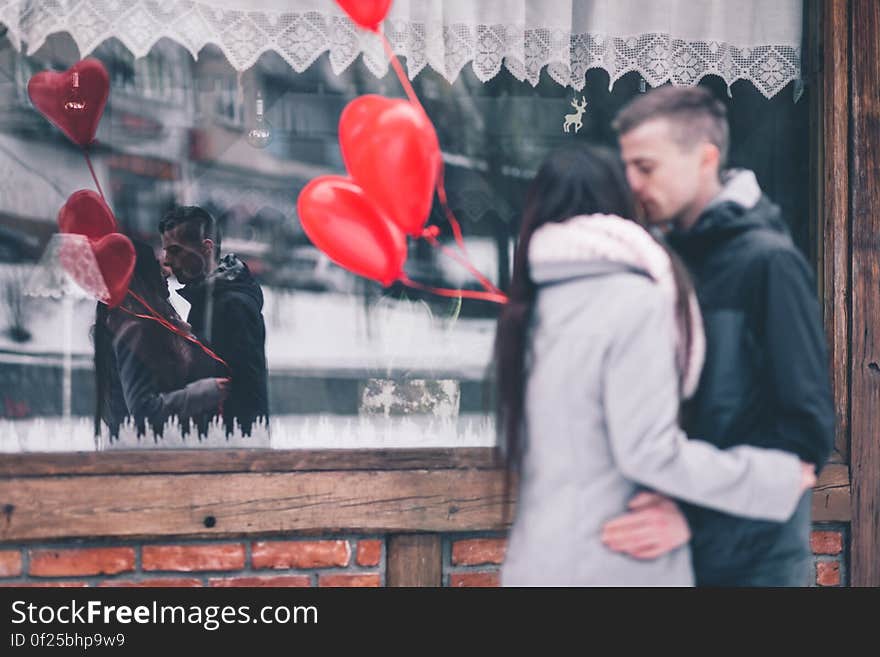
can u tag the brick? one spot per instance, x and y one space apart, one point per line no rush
828 573
10 563
478 551
369 553
826 542
300 554
281 580
363 580
85 561
47 585
188 558
167 582
474 579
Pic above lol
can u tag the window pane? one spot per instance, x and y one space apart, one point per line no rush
350 363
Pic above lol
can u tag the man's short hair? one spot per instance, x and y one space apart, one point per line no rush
693 113
198 225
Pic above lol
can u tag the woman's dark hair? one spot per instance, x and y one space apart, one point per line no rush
570 182
149 283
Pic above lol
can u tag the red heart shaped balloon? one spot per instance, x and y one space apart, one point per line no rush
366 13
116 259
345 224
102 268
73 100
86 213
391 150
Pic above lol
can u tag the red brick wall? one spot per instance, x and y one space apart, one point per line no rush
468 560
828 542
475 560
343 561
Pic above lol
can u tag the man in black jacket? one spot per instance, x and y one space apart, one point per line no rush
765 380
226 309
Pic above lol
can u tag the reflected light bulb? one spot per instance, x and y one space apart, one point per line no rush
74 102
260 134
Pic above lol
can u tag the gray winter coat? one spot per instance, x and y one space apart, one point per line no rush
601 422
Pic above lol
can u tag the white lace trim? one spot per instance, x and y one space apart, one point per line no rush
302 37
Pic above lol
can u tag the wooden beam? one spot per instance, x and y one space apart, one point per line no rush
243 460
829 134
227 504
414 560
233 504
865 377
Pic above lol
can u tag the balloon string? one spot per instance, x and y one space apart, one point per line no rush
493 294
455 294
430 235
94 177
398 69
450 217
156 317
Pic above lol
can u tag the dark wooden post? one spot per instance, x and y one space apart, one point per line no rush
414 560
865 374
828 71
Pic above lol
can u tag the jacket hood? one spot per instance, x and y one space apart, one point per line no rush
232 275
592 245
739 207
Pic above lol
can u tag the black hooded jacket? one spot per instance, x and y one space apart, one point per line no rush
765 381
227 315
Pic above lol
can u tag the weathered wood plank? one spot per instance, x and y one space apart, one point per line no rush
831 496
250 503
244 460
414 560
865 377
225 504
833 129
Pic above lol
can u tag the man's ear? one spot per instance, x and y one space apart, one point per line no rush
711 155
208 245
711 159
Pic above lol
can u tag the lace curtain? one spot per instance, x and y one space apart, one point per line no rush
664 40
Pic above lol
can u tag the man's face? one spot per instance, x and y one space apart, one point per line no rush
664 176
189 261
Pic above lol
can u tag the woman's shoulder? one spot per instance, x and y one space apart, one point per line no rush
134 333
594 311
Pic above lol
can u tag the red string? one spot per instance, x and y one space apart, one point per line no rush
430 235
398 69
156 317
94 177
455 294
450 217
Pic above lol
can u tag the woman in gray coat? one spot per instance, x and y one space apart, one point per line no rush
601 341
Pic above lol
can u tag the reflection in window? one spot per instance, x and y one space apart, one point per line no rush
349 363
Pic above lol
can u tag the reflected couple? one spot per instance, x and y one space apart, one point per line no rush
152 366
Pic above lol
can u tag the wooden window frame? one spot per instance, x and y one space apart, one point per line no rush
414 495
843 54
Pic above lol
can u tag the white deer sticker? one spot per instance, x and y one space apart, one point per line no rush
575 119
